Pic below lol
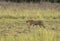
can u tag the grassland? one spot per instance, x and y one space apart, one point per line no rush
13 26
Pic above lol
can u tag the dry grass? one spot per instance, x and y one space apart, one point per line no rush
13 18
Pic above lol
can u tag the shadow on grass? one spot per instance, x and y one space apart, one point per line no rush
12 17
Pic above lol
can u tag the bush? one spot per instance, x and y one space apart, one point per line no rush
52 1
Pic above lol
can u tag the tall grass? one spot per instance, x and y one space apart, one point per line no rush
13 26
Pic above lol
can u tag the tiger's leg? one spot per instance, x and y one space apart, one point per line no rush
43 25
